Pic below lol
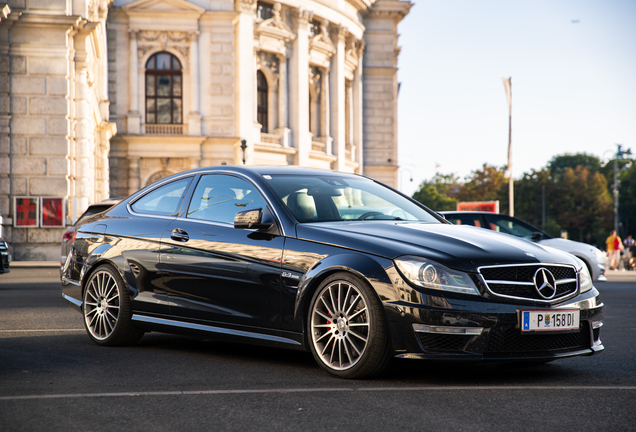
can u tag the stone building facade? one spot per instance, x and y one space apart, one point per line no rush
99 97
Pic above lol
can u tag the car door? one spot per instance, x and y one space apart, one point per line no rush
138 237
214 272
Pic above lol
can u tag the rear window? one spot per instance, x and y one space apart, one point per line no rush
165 200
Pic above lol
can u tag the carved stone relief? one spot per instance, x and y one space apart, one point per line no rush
271 63
153 40
273 34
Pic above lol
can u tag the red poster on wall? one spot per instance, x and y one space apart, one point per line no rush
52 212
25 211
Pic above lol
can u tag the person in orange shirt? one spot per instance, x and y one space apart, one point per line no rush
614 246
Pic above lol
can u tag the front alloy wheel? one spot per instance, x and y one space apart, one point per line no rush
107 312
347 328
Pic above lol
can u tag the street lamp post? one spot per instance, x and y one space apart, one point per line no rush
511 191
620 153
401 180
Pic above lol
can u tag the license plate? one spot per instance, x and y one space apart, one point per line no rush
552 320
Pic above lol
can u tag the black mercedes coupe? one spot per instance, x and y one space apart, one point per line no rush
337 264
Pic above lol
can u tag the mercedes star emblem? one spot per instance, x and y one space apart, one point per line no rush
545 283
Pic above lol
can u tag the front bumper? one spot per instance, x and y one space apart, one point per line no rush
447 329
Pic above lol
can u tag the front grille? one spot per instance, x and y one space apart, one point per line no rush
508 339
440 342
520 280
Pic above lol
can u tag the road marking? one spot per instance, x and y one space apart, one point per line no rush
310 390
41 330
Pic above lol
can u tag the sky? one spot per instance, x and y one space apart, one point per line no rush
573 69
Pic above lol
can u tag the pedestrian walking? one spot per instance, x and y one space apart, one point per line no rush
614 246
628 244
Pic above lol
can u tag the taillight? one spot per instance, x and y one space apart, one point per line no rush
69 236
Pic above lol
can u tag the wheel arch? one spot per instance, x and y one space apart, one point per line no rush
101 257
588 264
370 270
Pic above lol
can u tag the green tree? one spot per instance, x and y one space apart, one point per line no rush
529 201
487 184
433 199
581 207
585 203
627 199
434 193
558 164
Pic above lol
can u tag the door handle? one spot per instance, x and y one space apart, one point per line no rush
179 235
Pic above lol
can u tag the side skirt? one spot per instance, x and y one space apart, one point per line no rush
174 326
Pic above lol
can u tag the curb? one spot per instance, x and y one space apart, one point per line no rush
620 276
31 264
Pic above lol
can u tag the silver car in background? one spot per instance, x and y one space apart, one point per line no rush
593 258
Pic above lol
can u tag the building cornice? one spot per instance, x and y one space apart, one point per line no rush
360 5
389 9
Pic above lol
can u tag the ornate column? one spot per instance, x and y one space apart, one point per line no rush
246 78
337 78
283 100
357 109
349 121
325 114
84 136
134 116
299 83
205 103
194 117
5 138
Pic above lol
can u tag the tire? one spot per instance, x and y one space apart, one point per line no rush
356 343
107 311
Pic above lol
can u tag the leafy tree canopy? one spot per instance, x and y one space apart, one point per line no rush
559 164
572 192
485 184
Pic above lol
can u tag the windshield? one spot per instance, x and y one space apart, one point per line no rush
331 198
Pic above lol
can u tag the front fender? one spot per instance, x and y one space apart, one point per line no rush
370 269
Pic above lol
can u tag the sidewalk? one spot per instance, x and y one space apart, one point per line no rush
620 276
23 264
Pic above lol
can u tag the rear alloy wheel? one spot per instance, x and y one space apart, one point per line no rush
107 311
347 328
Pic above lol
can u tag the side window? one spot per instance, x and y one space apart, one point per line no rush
218 197
509 226
164 200
464 220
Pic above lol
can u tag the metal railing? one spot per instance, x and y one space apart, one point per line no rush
164 129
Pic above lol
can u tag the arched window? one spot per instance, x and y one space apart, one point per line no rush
164 103
262 89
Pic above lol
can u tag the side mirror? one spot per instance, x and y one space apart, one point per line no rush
254 219
441 215
536 236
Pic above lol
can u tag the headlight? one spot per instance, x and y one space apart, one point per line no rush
600 255
429 274
585 280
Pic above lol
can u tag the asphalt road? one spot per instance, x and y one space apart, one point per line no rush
52 377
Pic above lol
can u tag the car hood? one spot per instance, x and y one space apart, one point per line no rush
456 246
